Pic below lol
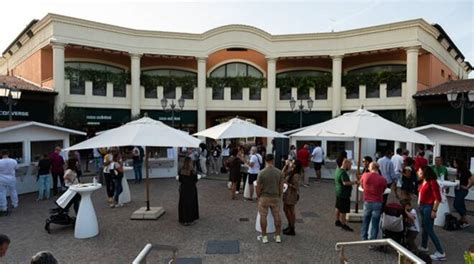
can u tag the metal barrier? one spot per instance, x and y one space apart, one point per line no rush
403 253
141 257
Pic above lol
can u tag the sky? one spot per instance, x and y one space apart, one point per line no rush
275 17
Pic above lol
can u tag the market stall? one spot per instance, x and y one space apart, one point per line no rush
26 142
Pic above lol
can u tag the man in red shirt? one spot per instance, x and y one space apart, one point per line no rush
304 157
57 169
374 186
420 161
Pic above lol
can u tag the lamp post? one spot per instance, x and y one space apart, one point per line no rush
461 101
10 97
300 108
173 107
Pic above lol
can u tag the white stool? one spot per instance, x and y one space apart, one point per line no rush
125 196
270 223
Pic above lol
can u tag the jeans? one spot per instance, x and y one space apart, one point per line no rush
459 203
8 186
137 169
118 188
55 181
372 212
427 228
44 186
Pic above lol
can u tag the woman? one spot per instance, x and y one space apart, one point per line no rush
44 178
116 172
70 178
234 163
407 183
429 199
292 171
109 182
292 153
203 158
188 207
465 183
340 158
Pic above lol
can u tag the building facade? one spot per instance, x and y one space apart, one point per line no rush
107 75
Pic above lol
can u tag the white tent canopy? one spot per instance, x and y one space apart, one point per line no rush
142 132
238 128
363 124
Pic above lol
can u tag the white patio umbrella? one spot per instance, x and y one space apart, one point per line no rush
142 132
238 128
363 124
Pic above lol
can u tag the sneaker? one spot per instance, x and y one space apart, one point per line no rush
112 205
347 228
118 205
423 249
264 239
305 185
278 238
338 223
438 256
465 225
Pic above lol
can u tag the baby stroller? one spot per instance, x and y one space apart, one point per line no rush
392 223
60 215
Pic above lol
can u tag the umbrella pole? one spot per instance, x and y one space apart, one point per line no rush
358 175
147 182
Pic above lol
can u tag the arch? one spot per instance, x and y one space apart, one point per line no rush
242 45
248 56
318 69
96 61
236 61
163 67
374 64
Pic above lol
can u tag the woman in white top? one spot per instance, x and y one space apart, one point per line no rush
70 178
116 172
109 182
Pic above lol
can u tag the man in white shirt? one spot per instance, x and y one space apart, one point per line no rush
397 161
7 182
317 158
254 163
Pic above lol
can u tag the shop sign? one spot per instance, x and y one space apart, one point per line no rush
15 113
98 117
169 118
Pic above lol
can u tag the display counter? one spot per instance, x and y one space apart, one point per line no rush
158 168
26 178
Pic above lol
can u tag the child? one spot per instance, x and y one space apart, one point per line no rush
411 220
407 183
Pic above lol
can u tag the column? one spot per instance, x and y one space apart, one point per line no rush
336 85
271 98
135 78
201 93
58 75
412 80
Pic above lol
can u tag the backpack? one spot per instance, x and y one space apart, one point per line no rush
262 164
451 223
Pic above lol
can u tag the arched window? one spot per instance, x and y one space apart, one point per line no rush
303 79
99 74
169 79
391 74
236 70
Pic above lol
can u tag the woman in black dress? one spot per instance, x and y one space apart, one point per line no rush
188 198
233 164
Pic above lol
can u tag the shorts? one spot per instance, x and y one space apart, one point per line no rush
252 178
265 203
317 165
343 204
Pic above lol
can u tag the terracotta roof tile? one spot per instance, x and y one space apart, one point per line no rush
457 86
459 127
12 81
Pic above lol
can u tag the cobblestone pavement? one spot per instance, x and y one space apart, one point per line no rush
121 239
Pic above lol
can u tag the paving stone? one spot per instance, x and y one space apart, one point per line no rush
243 219
223 247
184 261
299 220
309 214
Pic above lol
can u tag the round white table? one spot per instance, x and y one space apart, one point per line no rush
443 207
270 223
86 220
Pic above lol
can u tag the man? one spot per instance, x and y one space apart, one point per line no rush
254 164
4 243
366 162
7 182
57 168
440 170
269 192
388 172
420 161
429 154
317 157
304 157
397 161
343 194
138 153
374 186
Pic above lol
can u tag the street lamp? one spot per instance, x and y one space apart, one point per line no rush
462 101
172 108
10 97
300 108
